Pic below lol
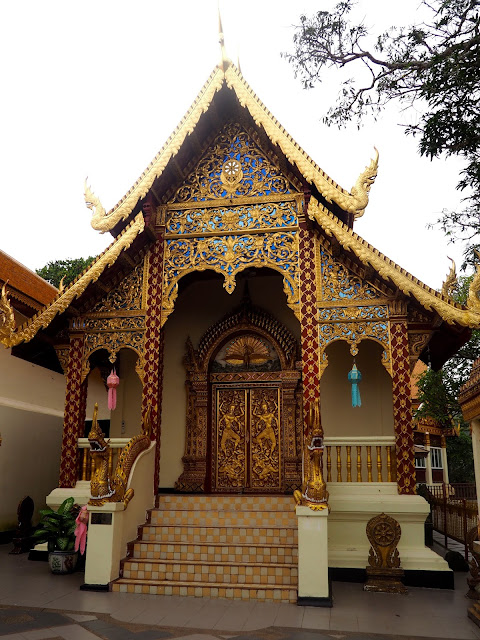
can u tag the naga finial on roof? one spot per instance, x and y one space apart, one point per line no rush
363 184
450 285
473 301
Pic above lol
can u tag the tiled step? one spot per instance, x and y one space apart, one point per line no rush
228 503
220 552
242 547
208 590
213 535
208 572
218 518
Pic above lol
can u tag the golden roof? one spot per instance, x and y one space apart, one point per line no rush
450 311
230 76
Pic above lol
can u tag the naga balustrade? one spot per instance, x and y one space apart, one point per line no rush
360 459
87 462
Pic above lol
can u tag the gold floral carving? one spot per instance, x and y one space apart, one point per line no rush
126 295
338 283
416 344
232 167
63 352
63 300
383 572
229 256
254 216
451 312
112 323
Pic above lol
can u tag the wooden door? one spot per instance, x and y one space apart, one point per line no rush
246 438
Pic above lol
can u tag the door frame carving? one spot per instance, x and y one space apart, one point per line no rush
246 319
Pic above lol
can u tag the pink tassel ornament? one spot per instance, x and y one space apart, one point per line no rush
81 530
112 383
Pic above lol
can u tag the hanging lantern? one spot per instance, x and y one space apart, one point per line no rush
112 383
354 377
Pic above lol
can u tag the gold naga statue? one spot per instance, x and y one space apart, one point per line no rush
103 487
314 492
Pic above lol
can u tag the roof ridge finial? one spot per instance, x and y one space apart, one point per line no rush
225 61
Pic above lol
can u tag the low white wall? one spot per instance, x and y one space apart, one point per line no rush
353 505
107 543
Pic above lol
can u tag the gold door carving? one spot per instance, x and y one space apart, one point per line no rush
247 439
231 440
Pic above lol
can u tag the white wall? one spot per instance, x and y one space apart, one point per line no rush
31 417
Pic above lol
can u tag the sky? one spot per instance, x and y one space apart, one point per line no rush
94 88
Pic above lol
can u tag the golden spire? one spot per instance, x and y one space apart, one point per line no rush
225 61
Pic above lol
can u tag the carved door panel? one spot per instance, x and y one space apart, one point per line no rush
246 439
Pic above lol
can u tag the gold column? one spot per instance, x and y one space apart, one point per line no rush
339 464
379 464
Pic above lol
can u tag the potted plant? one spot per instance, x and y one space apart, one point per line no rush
57 529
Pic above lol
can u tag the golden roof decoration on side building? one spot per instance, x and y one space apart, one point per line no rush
10 336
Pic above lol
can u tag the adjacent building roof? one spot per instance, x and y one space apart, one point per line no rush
24 287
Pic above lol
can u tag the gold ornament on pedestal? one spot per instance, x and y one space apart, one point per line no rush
314 492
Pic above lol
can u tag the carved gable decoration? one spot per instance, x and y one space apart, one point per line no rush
126 296
339 284
233 167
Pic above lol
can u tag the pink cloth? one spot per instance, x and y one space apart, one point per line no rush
81 530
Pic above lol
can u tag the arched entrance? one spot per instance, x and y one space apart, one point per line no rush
243 427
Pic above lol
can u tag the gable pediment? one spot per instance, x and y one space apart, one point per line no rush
233 166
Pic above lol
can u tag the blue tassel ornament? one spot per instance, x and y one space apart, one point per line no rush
354 377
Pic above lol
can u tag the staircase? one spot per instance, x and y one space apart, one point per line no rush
240 547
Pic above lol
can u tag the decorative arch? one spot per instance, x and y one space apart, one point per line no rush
113 346
354 334
229 256
243 318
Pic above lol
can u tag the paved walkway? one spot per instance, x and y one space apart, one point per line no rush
36 605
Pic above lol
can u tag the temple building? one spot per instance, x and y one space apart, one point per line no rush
234 295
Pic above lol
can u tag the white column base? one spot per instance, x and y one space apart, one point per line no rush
104 545
313 584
